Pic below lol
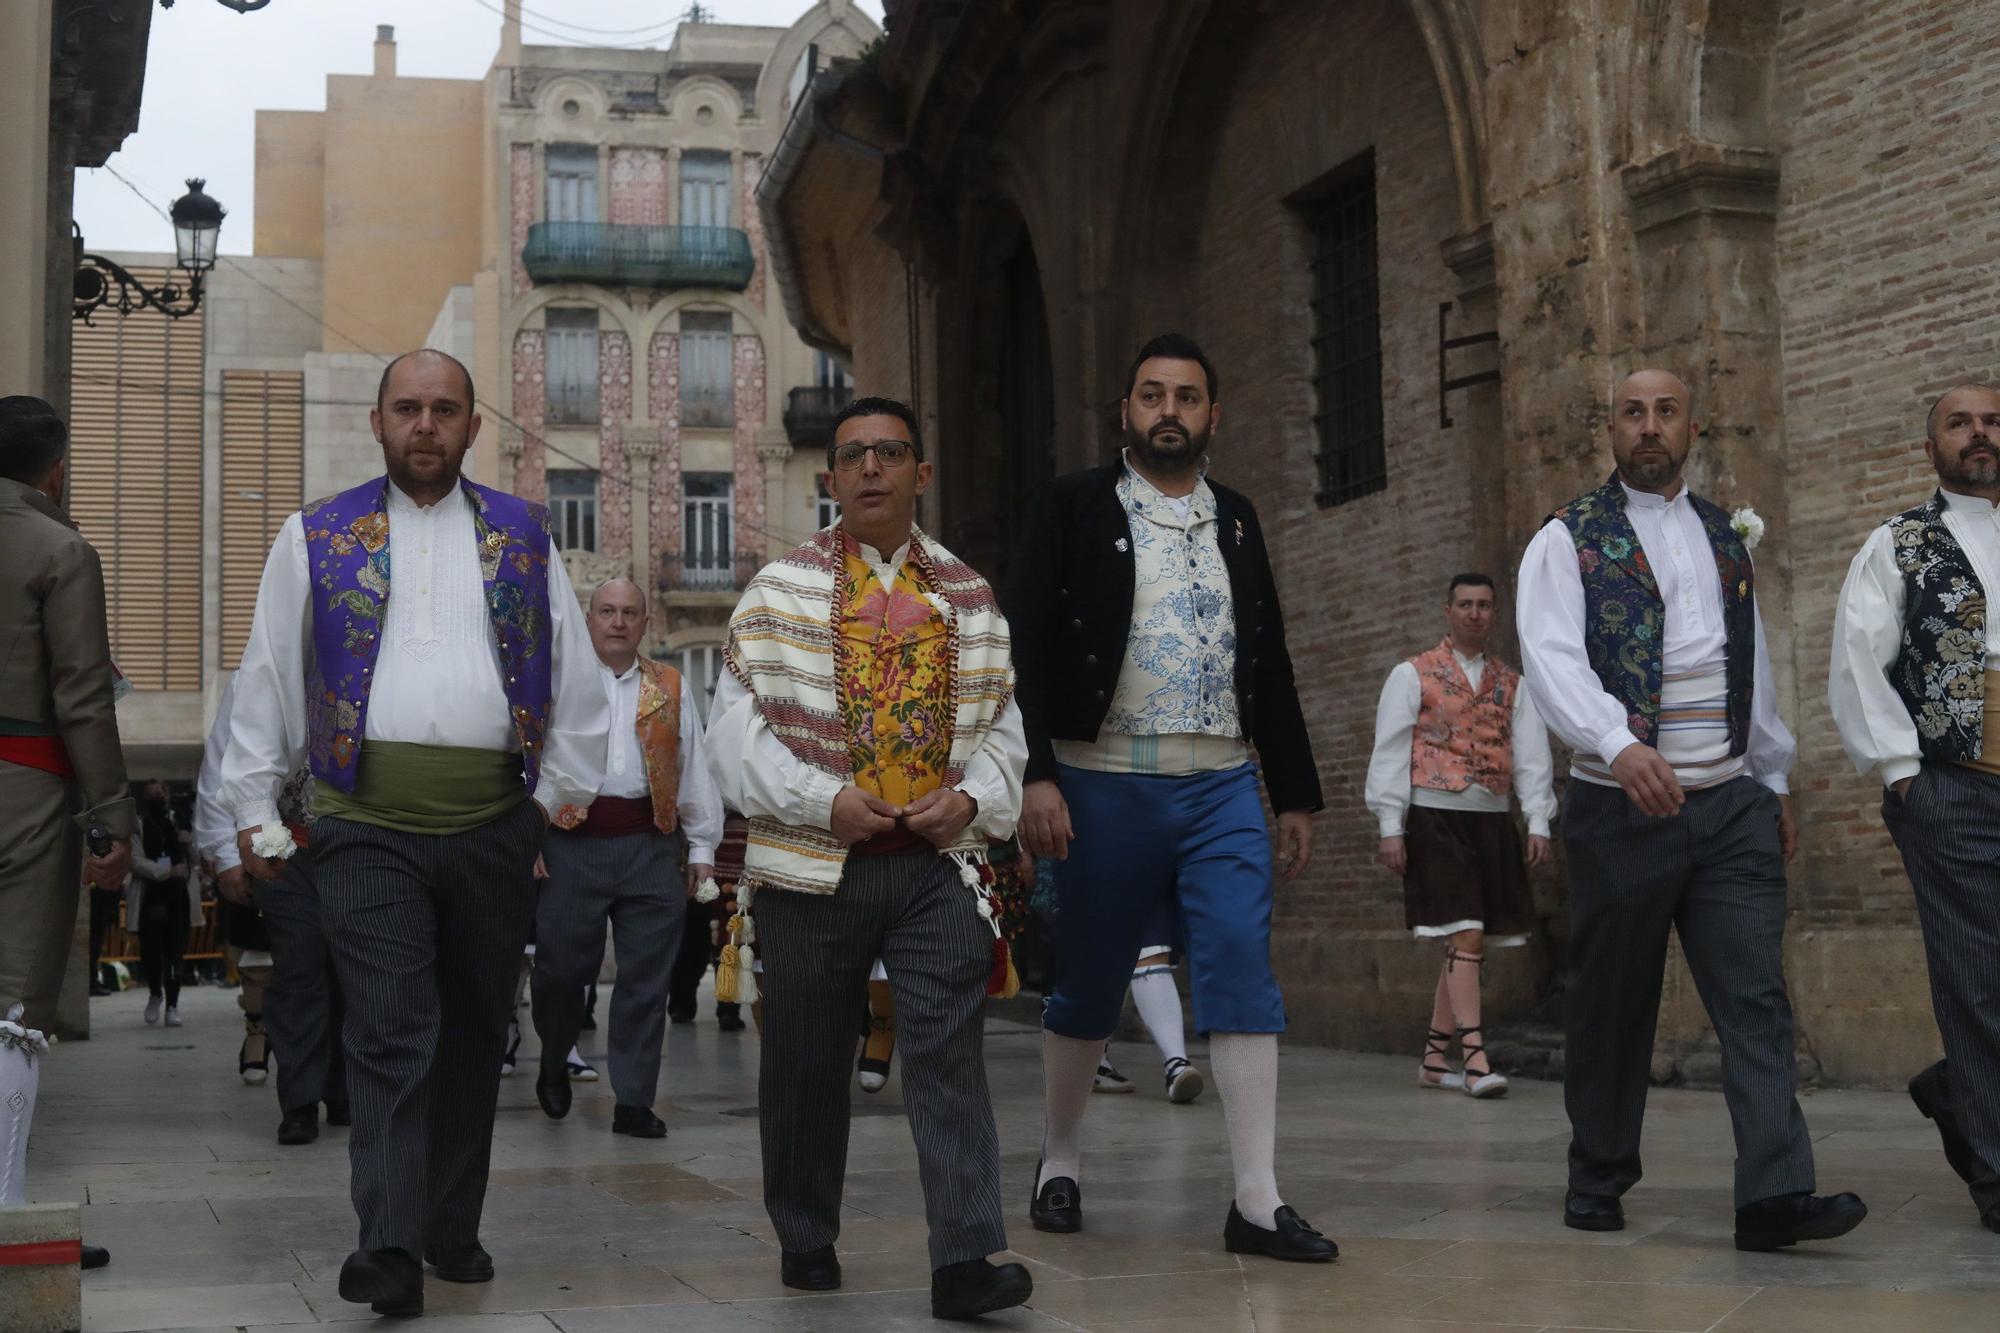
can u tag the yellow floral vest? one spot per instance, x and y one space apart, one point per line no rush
895 662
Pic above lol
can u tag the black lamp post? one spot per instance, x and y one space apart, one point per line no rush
102 284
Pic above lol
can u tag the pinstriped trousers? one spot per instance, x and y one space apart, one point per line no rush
910 910
427 933
302 1005
1947 826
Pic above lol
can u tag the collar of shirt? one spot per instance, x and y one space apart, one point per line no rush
885 570
1145 499
1648 500
401 503
1970 506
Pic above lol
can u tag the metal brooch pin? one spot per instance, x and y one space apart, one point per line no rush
1121 544
1239 532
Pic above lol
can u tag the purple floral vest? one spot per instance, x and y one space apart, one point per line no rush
347 555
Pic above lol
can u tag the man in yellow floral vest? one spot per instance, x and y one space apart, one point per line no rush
621 863
867 728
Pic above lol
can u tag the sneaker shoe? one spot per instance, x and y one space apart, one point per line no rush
1184 1081
513 1049
1109 1079
173 1016
153 1009
580 1069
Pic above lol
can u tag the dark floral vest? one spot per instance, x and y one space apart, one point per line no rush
1624 617
347 554
1941 671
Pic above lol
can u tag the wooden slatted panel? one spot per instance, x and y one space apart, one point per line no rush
135 482
263 444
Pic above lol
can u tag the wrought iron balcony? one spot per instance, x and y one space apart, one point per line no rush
809 413
709 571
624 256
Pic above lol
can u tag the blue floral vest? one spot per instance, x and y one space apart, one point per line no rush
1624 617
1941 671
347 557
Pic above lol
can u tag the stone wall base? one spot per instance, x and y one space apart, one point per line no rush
40 1298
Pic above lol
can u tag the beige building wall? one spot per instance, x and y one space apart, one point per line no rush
291 184
24 200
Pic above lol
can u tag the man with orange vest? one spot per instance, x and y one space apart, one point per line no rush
1455 736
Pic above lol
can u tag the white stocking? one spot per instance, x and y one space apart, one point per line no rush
1246 1074
1069 1068
21 1050
1159 1002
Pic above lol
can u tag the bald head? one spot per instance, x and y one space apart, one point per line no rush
1652 429
617 622
622 588
1962 440
1960 397
425 354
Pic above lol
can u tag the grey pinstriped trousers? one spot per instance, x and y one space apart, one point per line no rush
427 933
1948 829
911 911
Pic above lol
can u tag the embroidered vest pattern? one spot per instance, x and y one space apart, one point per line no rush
1940 674
658 722
1463 736
347 554
893 676
1624 618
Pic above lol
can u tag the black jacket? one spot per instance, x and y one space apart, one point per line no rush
1068 602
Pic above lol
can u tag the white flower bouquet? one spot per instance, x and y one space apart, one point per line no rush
273 842
1748 524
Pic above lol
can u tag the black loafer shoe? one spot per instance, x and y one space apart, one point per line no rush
300 1126
386 1281
1771 1224
730 1022
1057 1205
461 1263
1931 1091
552 1091
638 1121
976 1287
337 1113
1990 1219
814 1270
1293 1239
94 1256
1593 1212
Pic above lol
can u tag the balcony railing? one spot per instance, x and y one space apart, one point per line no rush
659 257
710 571
809 413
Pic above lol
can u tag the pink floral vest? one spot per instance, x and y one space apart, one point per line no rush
1463 737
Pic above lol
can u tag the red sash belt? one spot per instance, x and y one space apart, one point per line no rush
42 1254
44 752
617 816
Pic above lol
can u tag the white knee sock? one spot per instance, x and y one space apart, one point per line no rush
1159 1002
21 1050
1069 1067
1246 1074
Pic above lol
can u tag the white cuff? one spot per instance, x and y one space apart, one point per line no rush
817 792
1538 828
1895 770
700 854
1780 783
1614 743
256 815
1392 828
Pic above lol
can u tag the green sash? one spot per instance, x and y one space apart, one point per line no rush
433 789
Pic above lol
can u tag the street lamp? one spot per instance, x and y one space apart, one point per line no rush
100 283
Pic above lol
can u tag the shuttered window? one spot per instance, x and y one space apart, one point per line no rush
135 482
708 395
263 447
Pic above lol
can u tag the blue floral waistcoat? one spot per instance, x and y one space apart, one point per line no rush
347 555
1624 616
1941 671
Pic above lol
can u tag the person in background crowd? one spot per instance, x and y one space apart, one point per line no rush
163 899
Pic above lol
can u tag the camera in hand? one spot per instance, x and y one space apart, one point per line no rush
98 839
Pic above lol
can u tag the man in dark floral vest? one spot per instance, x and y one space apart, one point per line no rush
1913 695
1645 652
442 725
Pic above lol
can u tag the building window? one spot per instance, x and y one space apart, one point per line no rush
1346 334
705 189
707 515
829 373
572 367
827 508
572 175
708 396
573 508
700 665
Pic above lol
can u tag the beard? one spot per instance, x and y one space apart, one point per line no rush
1170 455
1978 464
1657 469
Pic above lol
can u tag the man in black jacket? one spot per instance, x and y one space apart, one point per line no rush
1151 658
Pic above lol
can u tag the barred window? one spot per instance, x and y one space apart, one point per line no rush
1346 334
573 508
708 512
825 508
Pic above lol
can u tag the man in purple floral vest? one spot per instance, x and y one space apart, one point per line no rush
441 725
1644 651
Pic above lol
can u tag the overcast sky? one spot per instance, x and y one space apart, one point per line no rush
210 69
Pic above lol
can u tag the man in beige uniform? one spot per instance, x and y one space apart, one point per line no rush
61 770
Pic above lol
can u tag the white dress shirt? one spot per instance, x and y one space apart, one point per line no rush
1873 722
437 676
1388 791
214 830
625 763
1550 615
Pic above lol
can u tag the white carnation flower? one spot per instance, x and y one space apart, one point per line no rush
708 892
1748 525
273 842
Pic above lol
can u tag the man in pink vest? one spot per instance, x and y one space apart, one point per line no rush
1456 735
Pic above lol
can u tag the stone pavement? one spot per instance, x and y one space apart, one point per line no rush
1446 1209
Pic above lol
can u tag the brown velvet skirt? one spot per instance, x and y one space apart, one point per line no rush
1466 865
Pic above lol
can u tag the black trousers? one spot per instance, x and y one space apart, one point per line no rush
692 960
103 911
163 932
426 933
1715 874
303 1011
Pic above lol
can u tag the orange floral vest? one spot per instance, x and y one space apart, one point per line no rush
1463 736
659 727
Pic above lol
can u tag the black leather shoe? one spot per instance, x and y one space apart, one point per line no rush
386 1281
337 1113
677 1015
94 1256
976 1287
1931 1091
299 1126
1593 1212
1057 1204
1294 1238
638 1121
815 1270
461 1263
552 1091
729 1020
1990 1219
1787 1219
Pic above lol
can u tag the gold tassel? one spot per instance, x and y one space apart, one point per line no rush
726 970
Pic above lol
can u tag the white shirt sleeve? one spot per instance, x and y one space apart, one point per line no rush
1534 769
214 830
1873 723
1387 791
267 718
573 746
1772 748
700 803
1549 615
754 772
994 771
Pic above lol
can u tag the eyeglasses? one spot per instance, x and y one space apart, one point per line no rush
889 453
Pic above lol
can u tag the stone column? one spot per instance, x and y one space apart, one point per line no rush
674 186
642 447
782 528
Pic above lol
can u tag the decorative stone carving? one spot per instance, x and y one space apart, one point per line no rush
663 500
751 517
753 225
639 187
521 183
531 479
1702 178
614 477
